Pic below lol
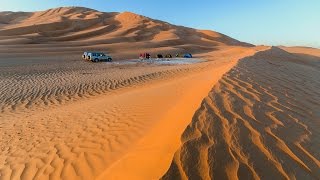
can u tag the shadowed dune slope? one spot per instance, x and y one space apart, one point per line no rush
261 121
76 29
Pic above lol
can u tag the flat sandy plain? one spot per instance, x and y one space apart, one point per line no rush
243 112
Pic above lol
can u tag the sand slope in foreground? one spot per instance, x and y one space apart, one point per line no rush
260 121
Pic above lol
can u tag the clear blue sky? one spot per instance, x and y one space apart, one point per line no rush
270 22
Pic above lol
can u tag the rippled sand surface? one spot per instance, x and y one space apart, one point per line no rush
261 121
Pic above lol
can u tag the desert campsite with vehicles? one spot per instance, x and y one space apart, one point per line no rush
146 57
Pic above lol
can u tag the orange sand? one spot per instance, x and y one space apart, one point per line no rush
259 122
63 118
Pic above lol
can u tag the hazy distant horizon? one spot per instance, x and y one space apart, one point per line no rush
287 23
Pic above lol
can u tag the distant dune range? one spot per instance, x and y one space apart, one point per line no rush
125 35
64 118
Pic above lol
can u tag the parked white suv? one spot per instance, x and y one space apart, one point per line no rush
96 56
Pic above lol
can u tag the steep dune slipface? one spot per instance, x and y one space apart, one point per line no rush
261 121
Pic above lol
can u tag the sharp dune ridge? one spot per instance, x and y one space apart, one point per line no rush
259 121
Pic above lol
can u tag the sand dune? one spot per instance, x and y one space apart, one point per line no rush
259 122
77 29
64 118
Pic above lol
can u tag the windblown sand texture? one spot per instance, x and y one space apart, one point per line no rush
261 121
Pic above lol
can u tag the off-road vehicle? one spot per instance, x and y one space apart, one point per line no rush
98 56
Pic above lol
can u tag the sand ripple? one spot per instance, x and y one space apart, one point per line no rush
55 84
